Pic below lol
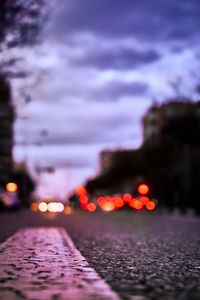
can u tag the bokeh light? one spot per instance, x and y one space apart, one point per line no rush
150 205
91 207
132 202
138 204
101 201
144 199
108 206
127 197
55 207
11 187
43 207
83 206
34 206
80 190
68 210
83 199
118 202
143 189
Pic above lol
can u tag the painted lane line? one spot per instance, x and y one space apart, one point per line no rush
43 263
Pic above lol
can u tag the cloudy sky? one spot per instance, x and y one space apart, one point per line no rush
101 65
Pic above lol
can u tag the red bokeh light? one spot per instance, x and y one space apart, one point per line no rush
127 197
143 189
118 202
83 206
80 190
83 199
91 207
138 204
144 199
131 203
150 205
101 201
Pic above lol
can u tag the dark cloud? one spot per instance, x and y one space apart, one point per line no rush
150 20
117 58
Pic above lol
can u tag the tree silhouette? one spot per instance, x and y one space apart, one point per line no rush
20 24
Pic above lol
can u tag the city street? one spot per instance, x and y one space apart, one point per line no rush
139 256
99 150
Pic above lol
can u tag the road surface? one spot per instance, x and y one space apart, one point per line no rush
138 256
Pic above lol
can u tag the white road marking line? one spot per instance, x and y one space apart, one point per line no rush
43 263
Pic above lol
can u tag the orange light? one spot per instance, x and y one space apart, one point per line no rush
118 202
150 205
108 206
83 199
144 199
68 210
127 197
34 206
143 189
80 190
11 187
91 207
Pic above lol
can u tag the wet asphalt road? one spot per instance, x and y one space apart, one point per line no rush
140 255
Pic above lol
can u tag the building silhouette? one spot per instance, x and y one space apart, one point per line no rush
6 131
168 160
158 116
